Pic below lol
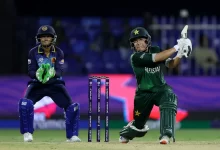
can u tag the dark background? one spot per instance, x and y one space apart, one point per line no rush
114 7
12 12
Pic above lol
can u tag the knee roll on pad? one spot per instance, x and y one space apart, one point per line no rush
72 116
26 115
168 116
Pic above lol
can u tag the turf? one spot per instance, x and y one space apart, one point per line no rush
55 140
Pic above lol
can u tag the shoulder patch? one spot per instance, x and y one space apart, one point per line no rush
29 61
61 62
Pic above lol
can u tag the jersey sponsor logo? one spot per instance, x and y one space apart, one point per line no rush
29 61
152 70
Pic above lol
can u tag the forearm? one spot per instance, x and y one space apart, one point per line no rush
174 62
164 55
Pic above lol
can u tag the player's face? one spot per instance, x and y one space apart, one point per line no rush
140 44
46 40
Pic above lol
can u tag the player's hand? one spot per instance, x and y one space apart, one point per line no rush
185 47
180 54
39 73
46 66
49 74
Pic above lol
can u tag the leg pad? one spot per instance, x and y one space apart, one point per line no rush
72 116
26 115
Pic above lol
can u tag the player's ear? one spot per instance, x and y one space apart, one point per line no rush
146 41
132 45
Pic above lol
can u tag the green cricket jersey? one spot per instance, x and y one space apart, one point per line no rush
148 74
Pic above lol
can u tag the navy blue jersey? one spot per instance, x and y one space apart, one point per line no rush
37 57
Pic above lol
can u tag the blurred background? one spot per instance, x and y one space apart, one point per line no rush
94 37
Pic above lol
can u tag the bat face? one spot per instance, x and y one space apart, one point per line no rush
187 50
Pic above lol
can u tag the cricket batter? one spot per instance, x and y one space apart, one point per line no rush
45 67
152 88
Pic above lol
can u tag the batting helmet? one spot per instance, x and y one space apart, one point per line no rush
46 30
140 32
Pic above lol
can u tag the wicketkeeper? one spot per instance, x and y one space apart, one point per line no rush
152 88
45 68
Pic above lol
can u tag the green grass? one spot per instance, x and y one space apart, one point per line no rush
55 139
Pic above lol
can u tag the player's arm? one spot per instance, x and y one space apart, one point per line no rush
32 65
144 59
59 65
184 48
162 56
172 62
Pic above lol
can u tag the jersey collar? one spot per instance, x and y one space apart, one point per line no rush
40 49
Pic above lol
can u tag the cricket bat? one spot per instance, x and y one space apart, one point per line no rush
188 50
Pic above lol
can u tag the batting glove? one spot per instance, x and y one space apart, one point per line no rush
185 46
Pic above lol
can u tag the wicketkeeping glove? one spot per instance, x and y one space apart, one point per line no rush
39 73
50 73
46 67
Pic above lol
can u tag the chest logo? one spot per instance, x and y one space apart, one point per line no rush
40 60
152 70
53 60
